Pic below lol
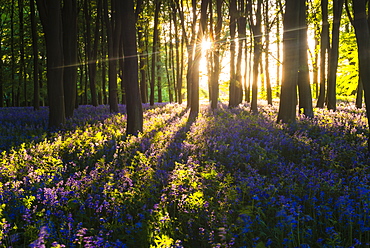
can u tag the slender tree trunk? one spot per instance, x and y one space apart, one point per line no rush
159 72
191 47
361 25
232 26
215 74
154 51
288 95
113 38
242 34
131 70
178 57
278 42
92 51
143 63
22 80
267 53
143 53
69 14
334 55
360 94
324 50
50 15
36 87
249 68
316 68
257 43
194 105
12 52
304 88
168 65
104 66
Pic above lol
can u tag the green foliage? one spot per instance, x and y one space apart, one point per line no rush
347 74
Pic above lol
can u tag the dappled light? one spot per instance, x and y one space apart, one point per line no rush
231 172
176 124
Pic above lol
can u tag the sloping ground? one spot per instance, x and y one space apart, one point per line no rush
230 179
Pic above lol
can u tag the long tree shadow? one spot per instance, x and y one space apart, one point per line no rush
20 125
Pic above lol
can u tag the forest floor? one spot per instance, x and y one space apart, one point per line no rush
228 179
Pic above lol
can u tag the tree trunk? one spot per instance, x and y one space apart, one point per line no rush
143 54
194 104
304 88
178 57
154 52
22 73
113 37
363 43
36 88
12 53
232 26
278 42
69 14
334 54
360 94
216 57
324 49
50 15
288 95
267 48
242 34
131 70
92 52
104 66
257 43
159 73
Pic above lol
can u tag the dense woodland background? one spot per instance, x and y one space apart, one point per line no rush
70 52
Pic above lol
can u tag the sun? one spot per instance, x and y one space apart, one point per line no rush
206 44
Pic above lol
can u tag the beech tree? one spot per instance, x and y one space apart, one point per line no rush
288 95
256 27
69 14
131 69
362 30
113 24
324 50
51 19
334 54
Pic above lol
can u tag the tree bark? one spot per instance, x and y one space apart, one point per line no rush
69 14
154 51
50 15
267 53
215 75
92 51
324 50
334 54
194 104
35 50
288 95
113 38
131 70
232 27
143 53
304 88
360 94
363 43
242 34
257 47
22 73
